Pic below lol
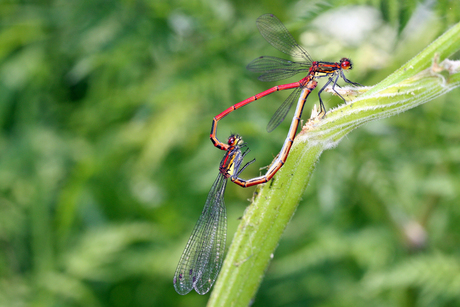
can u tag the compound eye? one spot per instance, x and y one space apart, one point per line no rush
231 140
345 63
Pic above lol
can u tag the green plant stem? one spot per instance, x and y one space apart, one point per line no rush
266 218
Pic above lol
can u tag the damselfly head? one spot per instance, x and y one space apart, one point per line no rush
234 140
346 64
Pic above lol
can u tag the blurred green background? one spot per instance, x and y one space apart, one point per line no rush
105 113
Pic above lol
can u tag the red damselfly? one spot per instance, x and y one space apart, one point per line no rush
202 258
274 69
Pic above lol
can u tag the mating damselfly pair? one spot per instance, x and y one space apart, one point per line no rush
203 255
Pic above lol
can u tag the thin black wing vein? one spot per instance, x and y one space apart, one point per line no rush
274 32
202 258
274 69
283 110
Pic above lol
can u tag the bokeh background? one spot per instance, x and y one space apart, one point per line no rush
105 161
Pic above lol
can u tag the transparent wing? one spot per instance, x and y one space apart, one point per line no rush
274 32
283 110
274 69
213 262
202 258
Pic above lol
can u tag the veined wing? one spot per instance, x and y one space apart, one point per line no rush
274 32
283 110
274 69
202 258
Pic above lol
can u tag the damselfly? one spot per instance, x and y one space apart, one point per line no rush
202 258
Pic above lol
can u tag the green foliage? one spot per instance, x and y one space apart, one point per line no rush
105 112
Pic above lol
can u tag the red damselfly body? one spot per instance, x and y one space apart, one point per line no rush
274 69
202 258
282 156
